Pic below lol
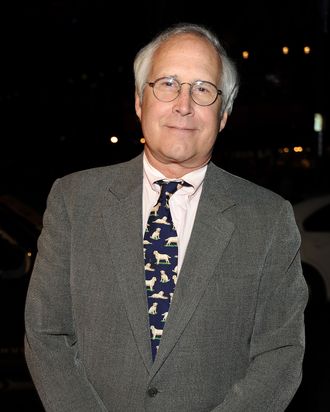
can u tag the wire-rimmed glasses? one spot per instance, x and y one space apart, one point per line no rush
202 92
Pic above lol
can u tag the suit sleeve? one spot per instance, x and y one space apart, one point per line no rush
50 342
278 339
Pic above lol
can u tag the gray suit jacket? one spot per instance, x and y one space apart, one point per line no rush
234 337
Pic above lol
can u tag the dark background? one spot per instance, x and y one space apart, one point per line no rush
66 87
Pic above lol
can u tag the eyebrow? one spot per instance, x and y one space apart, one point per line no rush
176 77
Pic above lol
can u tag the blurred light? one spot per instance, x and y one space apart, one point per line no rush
285 50
307 49
245 54
142 140
306 163
283 150
298 149
29 254
318 122
113 139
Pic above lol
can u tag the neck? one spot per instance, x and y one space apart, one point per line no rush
173 170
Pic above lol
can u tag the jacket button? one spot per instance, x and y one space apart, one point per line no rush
152 392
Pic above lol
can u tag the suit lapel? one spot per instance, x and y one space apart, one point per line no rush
210 236
122 216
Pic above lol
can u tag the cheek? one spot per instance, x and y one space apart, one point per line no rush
209 134
152 113
212 124
148 108
150 123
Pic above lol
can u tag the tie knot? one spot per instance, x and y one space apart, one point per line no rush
168 188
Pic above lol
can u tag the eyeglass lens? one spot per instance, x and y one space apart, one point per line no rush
202 92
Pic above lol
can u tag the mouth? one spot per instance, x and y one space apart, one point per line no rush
181 128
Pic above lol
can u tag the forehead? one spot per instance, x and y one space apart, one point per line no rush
187 54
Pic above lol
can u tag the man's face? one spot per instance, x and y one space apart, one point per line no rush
181 132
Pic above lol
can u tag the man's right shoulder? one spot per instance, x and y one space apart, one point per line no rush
101 175
87 185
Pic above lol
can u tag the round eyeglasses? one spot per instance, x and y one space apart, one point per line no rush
202 92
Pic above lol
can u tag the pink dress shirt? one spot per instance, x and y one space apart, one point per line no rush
183 203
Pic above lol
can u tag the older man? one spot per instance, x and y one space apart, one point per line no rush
166 283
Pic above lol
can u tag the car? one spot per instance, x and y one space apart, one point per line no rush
313 219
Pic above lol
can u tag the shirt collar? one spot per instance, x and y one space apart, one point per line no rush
194 178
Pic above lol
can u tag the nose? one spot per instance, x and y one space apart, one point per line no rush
183 104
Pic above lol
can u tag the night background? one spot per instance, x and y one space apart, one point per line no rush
67 87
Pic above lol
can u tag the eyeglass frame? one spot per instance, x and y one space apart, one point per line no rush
152 84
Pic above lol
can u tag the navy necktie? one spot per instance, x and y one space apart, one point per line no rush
161 259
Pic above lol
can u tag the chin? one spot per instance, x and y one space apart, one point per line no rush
184 160
177 154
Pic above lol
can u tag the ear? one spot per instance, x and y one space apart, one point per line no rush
138 105
223 121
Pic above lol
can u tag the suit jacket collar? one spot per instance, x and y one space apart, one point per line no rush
122 217
210 235
127 179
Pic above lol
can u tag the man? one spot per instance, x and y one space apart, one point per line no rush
232 337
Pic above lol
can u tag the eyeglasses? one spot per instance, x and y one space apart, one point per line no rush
167 89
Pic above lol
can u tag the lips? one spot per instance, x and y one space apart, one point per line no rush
180 128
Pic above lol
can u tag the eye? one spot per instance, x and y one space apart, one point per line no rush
168 83
202 88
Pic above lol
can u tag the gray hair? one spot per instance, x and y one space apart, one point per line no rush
229 80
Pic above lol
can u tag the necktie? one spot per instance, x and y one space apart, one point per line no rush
161 257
